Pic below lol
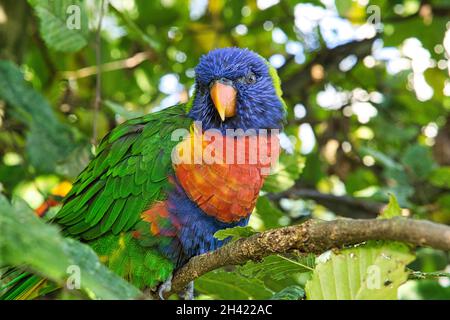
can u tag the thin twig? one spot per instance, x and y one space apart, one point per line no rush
127 63
98 87
418 275
345 206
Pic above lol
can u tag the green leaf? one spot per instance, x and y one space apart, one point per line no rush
235 233
384 159
48 148
229 285
28 105
424 290
278 267
289 293
429 33
392 209
120 110
269 214
360 179
286 171
371 271
440 177
63 23
22 230
49 142
418 160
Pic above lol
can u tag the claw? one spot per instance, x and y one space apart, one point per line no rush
188 292
165 287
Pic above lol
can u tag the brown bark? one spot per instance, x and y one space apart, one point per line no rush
313 237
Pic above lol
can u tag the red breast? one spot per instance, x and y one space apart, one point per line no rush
226 183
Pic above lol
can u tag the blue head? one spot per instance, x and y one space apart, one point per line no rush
236 89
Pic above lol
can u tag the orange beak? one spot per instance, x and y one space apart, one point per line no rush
224 98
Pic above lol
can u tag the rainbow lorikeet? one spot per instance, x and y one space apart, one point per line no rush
146 214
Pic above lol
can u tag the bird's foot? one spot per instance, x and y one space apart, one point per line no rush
165 287
188 292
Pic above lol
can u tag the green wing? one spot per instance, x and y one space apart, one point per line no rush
127 175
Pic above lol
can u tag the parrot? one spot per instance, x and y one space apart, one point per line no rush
143 210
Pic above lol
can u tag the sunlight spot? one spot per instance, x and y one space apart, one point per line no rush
347 111
446 41
359 94
241 29
368 161
277 60
423 90
307 138
447 88
197 8
364 111
286 143
430 130
299 111
376 97
265 4
331 99
329 151
439 49
442 64
190 73
365 133
180 56
278 36
317 72
169 84
294 47
348 63
346 146
3 16
12 159
369 62
268 25
246 11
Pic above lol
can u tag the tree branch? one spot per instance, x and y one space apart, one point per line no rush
345 206
313 237
329 59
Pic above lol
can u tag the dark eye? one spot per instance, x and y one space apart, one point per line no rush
250 78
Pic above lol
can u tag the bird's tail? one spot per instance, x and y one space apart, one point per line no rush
19 284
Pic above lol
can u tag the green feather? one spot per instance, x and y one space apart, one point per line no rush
128 174
113 214
98 208
85 197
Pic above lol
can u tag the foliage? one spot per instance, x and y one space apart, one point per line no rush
368 118
289 293
54 24
55 255
234 233
373 271
392 209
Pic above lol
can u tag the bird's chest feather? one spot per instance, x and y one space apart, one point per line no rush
223 175
210 193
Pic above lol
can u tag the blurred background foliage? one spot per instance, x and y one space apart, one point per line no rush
366 83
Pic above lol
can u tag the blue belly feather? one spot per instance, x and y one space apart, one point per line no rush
196 234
